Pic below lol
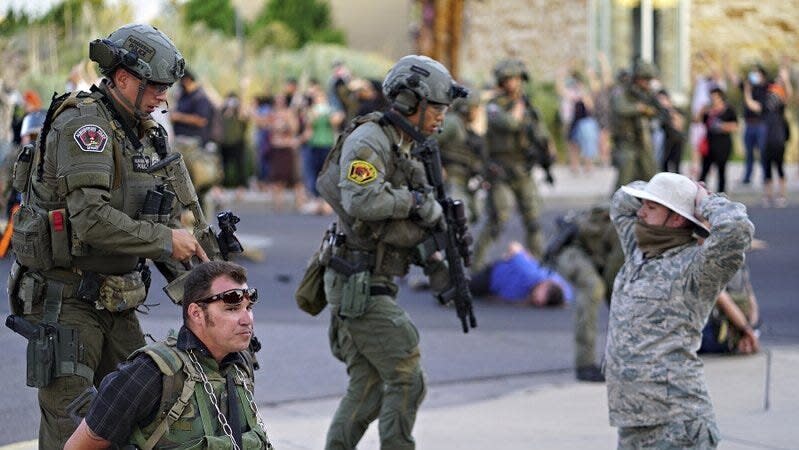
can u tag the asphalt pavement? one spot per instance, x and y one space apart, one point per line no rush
533 402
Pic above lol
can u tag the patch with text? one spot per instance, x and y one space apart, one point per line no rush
91 138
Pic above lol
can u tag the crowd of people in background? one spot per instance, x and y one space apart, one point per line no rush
277 142
705 131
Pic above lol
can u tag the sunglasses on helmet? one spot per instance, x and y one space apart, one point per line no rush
233 296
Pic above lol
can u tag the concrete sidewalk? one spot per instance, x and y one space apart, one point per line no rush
570 415
562 414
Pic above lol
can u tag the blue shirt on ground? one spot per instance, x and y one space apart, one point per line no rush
514 278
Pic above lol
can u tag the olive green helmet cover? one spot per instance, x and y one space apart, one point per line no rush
507 68
416 77
145 51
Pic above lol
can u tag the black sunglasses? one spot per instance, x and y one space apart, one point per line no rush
233 296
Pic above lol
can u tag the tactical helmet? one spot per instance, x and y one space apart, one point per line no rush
414 78
644 70
32 123
463 105
141 49
510 68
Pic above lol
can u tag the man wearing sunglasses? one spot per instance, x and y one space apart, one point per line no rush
194 389
84 238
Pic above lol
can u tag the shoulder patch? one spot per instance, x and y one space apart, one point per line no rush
91 138
362 172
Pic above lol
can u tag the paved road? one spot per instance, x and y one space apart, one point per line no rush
509 344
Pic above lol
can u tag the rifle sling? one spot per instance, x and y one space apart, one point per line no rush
402 123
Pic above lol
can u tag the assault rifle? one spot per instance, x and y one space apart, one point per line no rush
455 240
662 113
217 247
537 151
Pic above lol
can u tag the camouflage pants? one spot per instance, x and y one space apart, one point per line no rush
108 339
698 434
576 266
524 191
634 162
381 351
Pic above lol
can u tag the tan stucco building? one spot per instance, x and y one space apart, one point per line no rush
550 34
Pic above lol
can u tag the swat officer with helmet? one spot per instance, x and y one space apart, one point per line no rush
79 242
462 152
515 137
632 109
386 212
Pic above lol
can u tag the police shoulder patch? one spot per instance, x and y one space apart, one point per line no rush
362 172
91 138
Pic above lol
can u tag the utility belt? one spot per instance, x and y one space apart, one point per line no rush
115 293
356 266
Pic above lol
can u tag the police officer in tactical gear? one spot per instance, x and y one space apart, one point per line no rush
632 109
175 377
386 211
515 132
462 152
587 252
79 242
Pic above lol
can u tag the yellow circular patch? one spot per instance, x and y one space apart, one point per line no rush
362 172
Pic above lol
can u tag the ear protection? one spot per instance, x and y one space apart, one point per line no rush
406 100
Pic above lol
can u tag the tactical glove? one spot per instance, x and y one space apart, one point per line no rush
426 209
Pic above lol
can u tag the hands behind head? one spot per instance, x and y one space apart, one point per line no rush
701 193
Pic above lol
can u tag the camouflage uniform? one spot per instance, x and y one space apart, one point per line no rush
462 159
659 306
633 153
507 143
590 262
94 175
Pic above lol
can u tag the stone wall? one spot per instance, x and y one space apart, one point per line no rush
745 30
544 34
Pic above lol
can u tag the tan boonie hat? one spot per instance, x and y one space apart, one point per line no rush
674 191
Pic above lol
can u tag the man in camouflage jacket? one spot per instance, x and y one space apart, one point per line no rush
661 299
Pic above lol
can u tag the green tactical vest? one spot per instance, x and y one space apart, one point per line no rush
186 418
393 242
597 236
456 155
127 186
508 146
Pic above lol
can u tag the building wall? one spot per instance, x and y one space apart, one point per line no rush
545 34
745 30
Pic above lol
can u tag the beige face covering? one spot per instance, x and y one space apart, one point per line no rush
654 240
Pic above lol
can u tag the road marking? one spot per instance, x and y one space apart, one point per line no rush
27 445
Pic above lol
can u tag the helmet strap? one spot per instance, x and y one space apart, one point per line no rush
422 113
139 95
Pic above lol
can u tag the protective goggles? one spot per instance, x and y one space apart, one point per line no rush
438 108
159 88
233 296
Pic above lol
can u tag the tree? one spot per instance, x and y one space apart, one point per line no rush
308 20
215 14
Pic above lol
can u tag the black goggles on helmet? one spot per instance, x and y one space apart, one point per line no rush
233 296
